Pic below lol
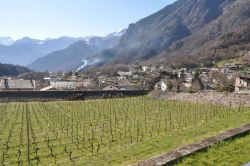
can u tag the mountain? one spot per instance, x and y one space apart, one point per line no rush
226 37
187 31
26 41
26 50
12 70
74 56
6 41
65 59
106 42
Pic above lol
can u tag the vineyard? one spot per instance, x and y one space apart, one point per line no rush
106 132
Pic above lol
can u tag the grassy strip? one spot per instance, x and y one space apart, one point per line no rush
177 139
233 152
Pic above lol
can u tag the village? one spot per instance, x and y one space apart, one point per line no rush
230 77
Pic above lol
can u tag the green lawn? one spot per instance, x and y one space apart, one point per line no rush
106 132
230 153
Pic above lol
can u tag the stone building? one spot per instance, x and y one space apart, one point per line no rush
242 84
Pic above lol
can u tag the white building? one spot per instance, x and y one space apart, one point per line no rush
121 73
63 85
161 85
242 84
145 68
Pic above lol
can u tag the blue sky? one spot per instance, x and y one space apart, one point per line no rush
53 18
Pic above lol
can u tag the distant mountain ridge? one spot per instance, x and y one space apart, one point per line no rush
64 60
26 50
74 56
27 40
105 42
187 31
6 41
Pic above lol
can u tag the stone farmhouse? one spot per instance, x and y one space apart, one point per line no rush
242 84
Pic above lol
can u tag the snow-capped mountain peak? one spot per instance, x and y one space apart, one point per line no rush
7 41
118 33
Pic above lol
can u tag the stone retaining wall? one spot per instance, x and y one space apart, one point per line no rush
205 97
65 95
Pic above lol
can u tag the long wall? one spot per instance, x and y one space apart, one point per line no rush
65 95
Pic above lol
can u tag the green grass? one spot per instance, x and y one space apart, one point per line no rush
235 60
230 153
107 132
